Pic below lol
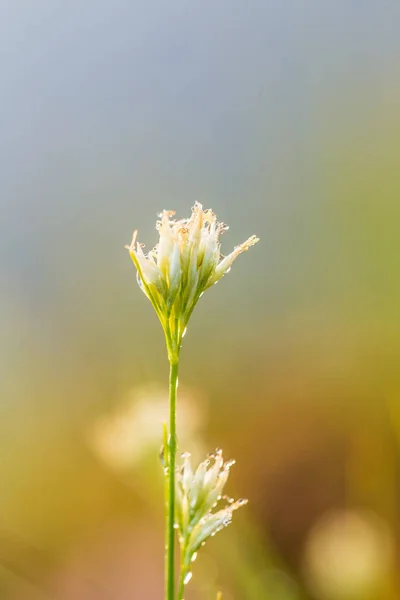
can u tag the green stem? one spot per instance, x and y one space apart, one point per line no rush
181 587
170 558
183 571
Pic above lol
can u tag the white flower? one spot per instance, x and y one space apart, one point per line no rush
186 261
198 493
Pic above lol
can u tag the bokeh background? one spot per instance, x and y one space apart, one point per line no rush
284 118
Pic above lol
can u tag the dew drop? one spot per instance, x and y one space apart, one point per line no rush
188 577
194 556
184 332
176 525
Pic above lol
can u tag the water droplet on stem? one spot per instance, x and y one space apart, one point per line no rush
187 578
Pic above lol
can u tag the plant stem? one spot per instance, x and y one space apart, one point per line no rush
181 587
183 571
170 559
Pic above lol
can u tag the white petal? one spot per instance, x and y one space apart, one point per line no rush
226 263
166 242
195 225
211 250
175 269
150 270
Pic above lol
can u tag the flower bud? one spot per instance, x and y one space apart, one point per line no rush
198 493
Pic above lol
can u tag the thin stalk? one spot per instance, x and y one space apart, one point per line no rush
185 568
181 586
170 559
166 504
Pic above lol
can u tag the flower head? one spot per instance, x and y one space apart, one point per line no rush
198 494
186 261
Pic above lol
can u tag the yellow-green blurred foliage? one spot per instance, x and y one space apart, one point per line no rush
284 118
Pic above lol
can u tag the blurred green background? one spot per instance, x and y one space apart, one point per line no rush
284 118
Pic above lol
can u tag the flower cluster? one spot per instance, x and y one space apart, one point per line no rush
197 495
186 261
